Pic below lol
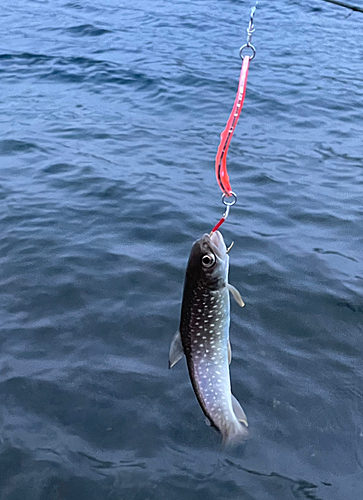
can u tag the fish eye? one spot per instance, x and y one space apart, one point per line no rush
208 259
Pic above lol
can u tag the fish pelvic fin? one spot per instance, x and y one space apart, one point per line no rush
236 295
176 350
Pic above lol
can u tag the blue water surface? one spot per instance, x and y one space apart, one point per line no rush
111 116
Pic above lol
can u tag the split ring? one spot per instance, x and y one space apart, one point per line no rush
229 203
243 48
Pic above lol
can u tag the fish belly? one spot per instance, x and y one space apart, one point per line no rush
208 356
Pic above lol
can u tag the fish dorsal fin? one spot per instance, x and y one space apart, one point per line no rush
236 295
176 350
238 411
229 353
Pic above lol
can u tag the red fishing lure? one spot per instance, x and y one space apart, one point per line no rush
226 135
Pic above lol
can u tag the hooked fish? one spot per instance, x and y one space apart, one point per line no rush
203 335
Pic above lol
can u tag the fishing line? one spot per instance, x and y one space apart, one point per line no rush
346 5
247 52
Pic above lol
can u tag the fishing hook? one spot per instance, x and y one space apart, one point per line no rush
228 205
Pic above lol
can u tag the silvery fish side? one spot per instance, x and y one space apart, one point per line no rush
203 335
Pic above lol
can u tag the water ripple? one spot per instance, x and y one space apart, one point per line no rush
111 119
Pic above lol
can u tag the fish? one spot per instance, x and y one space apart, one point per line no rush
203 336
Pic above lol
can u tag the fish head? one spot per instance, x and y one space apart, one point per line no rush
208 261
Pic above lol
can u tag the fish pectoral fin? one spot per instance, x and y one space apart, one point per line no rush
229 353
236 295
176 350
238 411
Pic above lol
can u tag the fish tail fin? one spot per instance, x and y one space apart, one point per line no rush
234 433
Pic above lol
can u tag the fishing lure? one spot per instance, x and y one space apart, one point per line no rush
247 53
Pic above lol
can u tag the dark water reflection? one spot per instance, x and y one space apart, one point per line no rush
111 116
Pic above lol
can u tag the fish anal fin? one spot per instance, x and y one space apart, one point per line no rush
236 295
176 350
238 411
208 422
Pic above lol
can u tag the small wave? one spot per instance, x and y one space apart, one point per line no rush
58 168
72 69
331 252
86 30
11 147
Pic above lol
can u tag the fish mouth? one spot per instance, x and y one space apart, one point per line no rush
218 245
